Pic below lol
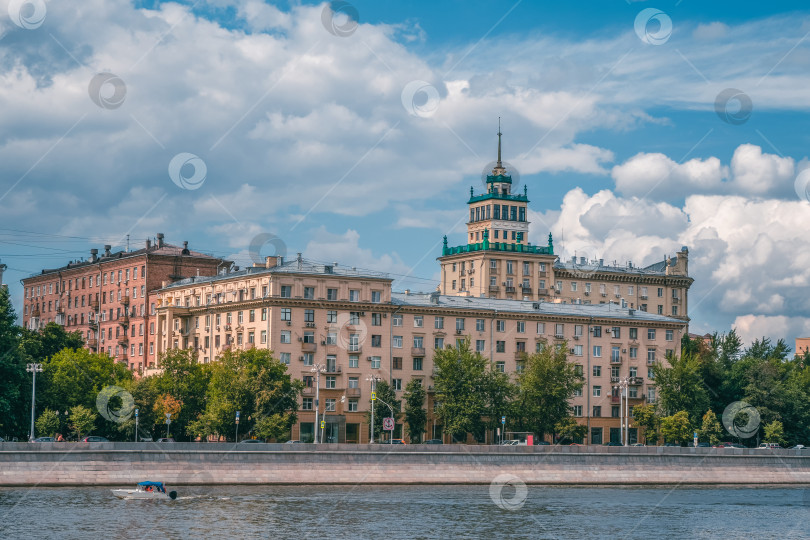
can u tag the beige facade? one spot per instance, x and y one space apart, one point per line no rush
355 328
802 345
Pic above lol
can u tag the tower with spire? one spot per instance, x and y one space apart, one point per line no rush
498 261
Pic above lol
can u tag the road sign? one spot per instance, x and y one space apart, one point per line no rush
323 424
373 396
136 413
388 424
503 419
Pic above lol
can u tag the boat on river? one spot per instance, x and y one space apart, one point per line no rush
146 490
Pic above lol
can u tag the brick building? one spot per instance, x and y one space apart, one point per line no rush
107 297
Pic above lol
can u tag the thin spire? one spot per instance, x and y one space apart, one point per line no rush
499 143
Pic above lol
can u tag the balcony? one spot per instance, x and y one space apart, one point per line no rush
123 341
125 300
614 379
309 347
92 343
635 381
308 391
559 336
615 399
616 359
676 300
510 290
123 320
643 296
353 392
542 292
333 370
94 305
417 351
519 355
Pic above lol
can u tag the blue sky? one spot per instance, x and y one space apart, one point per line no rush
358 142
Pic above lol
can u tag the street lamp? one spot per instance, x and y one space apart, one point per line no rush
623 401
373 379
317 369
33 368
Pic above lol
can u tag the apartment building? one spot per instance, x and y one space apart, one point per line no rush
337 328
498 262
107 297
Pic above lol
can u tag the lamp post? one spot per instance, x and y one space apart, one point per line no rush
317 369
623 400
136 425
373 381
33 368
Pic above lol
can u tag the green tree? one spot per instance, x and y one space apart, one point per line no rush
15 386
681 386
775 432
186 380
676 428
48 423
40 345
385 394
569 430
82 420
255 384
710 430
499 391
459 381
545 388
645 416
415 413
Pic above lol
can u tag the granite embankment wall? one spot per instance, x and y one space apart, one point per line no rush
71 464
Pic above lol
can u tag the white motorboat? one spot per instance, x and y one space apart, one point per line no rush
146 490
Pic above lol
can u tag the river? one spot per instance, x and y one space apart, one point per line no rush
474 511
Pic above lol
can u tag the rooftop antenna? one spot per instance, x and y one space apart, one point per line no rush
127 243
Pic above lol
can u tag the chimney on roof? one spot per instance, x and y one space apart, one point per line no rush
434 297
582 260
107 248
300 261
148 244
271 261
601 262
159 240
185 248
407 292
93 255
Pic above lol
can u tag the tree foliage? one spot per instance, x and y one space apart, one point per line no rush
645 416
82 420
710 429
676 428
681 386
415 413
48 423
385 394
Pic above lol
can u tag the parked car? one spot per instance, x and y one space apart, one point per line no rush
434 441
798 447
292 442
613 444
397 441
44 439
729 445
637 444
704 445
769 446
253 441
672 444
542 443
95 438
166 439
510 442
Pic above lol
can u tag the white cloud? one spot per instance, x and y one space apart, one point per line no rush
751 327
756 173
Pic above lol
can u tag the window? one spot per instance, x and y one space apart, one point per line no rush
309 315
354 361
500 326
286 314
331 294
354 295
521 327
308 359
418 321
396 362
459 324
396 319
650 356
331 382
674 311
660 309
614 411
417 364
286 291
500 367
597 371
252 315
651 394
331 316
376 340
353 405
597 331
510 267
375 362
454 284
577 350
309 337
251 337
396 384
634 333
264 314
438 323
438 343
354 342
669 335
541 328
576 410
597 411
306 404
650 333
597 351
376 319
633 352
396 342
573 286
331 338
500 346
330 404
597 391
285 336
376 297
614 354
660 292
284 358
480 345
617 332
479 325
354 382
309 293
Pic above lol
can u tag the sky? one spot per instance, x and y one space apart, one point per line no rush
353 131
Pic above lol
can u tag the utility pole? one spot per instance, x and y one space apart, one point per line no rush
33 368
373 380
317 369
